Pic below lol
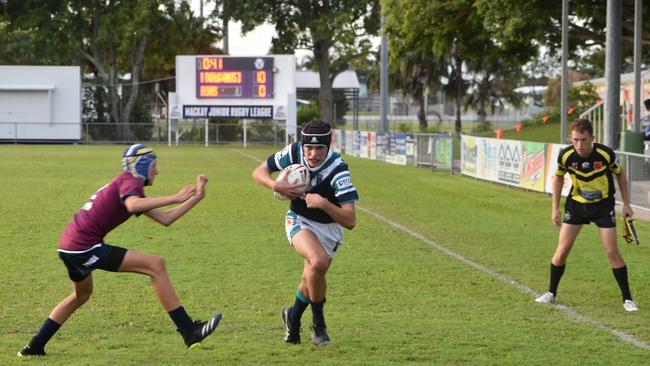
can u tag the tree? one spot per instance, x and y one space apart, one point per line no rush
16 46
334 30
539 23
493 79
413 72
456 32
109 39
439 29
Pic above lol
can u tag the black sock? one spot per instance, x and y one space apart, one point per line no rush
48 329
556 275
317 311
181 318
298 308
621 277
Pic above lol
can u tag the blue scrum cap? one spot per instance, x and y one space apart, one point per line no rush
137 160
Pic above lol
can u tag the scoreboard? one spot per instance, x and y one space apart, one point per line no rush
243 87
234 77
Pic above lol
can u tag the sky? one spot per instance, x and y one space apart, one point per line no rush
256 42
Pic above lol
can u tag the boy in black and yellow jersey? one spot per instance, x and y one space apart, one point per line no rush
591 199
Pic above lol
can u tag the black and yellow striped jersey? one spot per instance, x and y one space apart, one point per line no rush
591 176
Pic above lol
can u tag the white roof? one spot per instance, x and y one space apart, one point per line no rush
25 87
309 80
531 89
627 78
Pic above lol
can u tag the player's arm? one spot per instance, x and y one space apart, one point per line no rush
345 215
136 205
558 183
188 197
262 175
621 178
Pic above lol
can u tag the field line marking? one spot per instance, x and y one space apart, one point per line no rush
505 279
248 155
521 287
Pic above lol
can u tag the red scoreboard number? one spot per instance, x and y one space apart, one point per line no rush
234 77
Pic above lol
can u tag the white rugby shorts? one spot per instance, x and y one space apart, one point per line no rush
329 235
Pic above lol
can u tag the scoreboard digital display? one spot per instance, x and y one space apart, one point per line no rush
234 77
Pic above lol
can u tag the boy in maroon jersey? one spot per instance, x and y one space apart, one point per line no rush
82 248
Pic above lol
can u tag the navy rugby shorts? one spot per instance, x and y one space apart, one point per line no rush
101 256
601 213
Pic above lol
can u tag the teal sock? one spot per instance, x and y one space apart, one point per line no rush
299 307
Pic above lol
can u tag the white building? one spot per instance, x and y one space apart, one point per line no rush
40 103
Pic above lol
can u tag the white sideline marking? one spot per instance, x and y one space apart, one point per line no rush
521 287
248 155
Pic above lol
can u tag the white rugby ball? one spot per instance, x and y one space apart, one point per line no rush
296 174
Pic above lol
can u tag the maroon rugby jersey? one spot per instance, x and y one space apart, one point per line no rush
103 213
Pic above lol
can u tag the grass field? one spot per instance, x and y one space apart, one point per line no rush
393 297
538 132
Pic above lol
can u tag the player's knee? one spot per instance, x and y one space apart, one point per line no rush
158 265
614 255
320 265
560 257
81 297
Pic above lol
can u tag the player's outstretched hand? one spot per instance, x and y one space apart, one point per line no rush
185 193
201 182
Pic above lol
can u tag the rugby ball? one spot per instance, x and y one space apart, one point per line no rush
296 174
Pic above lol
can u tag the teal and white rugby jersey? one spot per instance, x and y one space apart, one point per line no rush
331 180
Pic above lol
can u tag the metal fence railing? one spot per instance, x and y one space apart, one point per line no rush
596 114
152 132
431 151
434 151
268 133
637 168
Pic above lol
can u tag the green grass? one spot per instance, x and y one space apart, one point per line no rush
410 126
537 132
392 299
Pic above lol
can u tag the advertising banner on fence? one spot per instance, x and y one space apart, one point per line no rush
390 150
397 148
399 154
487 160
552 152
336 136
532 167
372 145
349 143
356 145
509 162
363 144
443 157
382 146
410 149
468 154
529 165
394 148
